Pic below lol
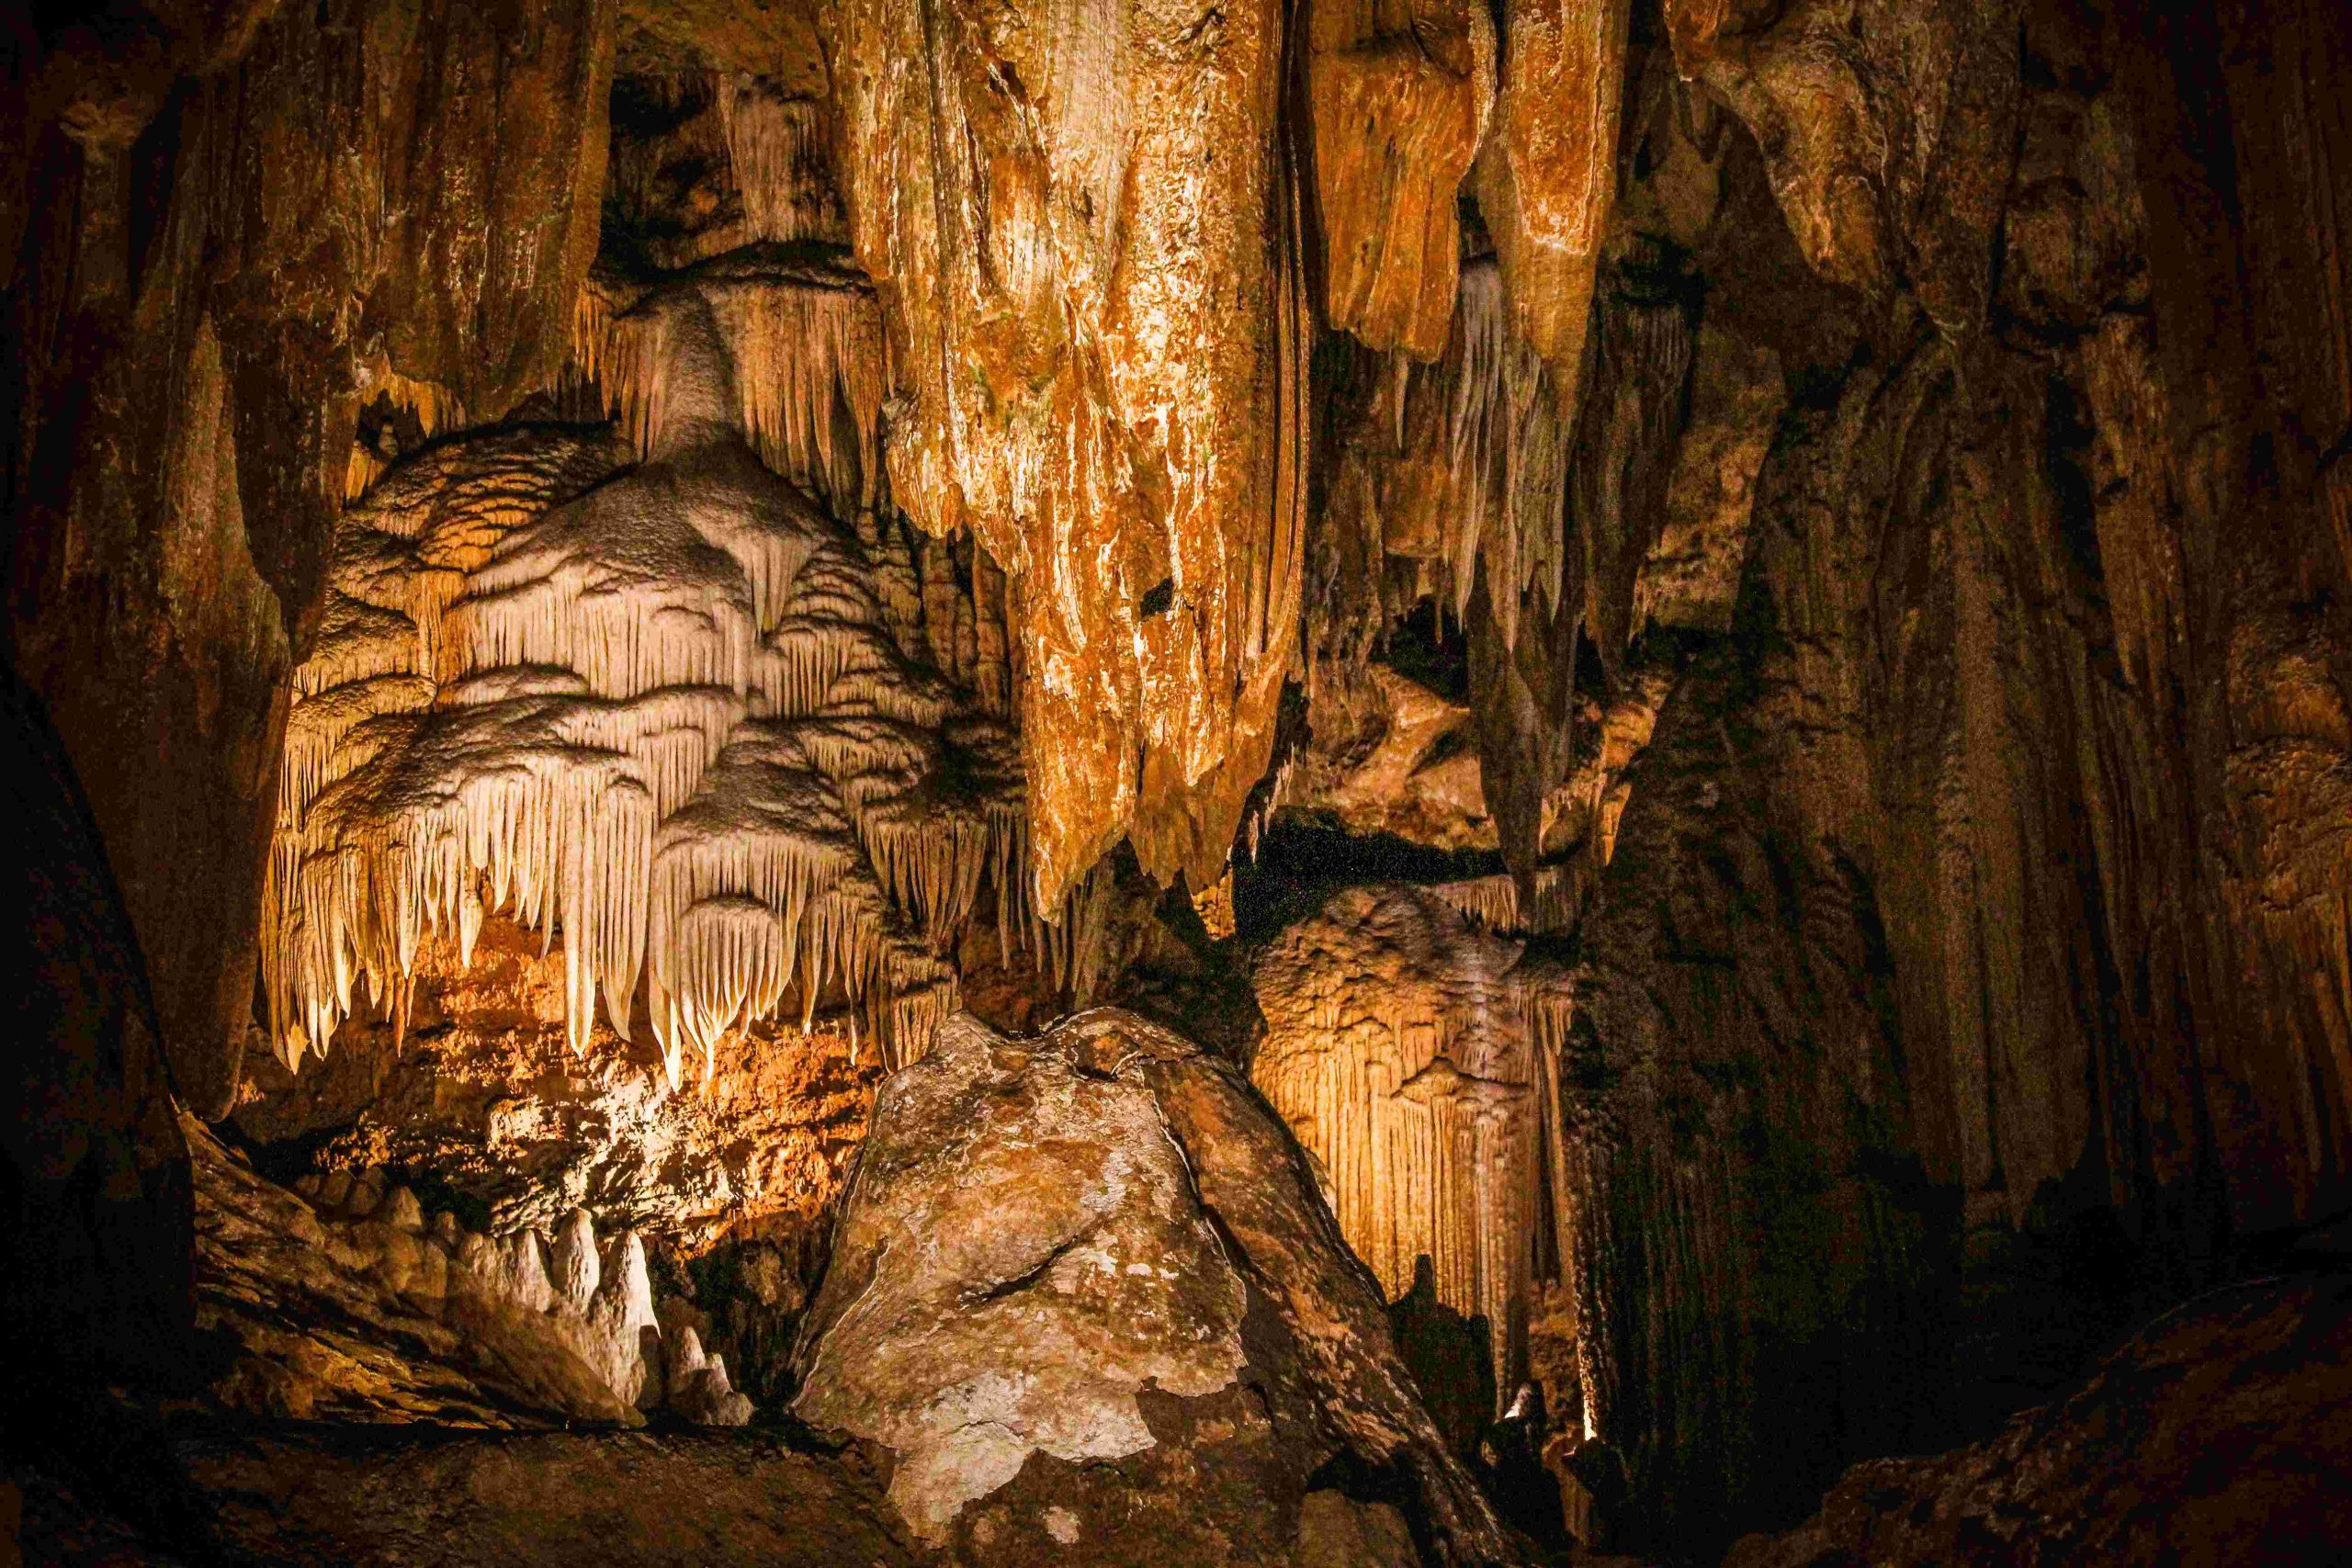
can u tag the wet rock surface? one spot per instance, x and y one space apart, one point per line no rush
1113 1311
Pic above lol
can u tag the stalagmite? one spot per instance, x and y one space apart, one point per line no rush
576 1267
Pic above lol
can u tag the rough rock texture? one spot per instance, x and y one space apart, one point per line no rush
1862 482
2217 1435
1546 175
1405 1047
487 1094
1388 756
1952 988
1083 224
344 1300
1401 97
1085 1291
354 1309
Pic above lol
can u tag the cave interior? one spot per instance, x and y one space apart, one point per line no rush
1308 783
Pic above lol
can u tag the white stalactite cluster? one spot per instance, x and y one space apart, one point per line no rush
809 365
1494 901
1413 1051
657 710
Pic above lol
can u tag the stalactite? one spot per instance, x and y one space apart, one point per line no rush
805 355
659 717
1104 326
1492 901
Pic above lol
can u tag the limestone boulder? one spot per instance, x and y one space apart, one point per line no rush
1086 1292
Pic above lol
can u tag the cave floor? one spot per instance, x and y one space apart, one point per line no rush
253 1490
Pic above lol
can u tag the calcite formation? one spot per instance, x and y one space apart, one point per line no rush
1821 529
1415 1055
331 200
1547 173
1401 100
1084 225
2260 1371
344 1300
659 706
485 1091
1041 1311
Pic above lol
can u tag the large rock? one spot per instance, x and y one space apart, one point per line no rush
1085 1291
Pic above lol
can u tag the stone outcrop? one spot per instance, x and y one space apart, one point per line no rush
348 1305
1086 1293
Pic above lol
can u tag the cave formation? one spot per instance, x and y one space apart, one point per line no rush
1341 782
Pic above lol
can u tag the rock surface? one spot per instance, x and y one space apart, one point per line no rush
1085 1291
94 1185
1407 1047
487 1094
306 1495
229 228
1931 1024
2217 1434
338 1314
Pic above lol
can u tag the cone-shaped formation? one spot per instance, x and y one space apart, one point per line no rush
1101 334
658 710
1463 462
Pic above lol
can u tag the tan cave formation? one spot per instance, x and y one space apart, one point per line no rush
1326 783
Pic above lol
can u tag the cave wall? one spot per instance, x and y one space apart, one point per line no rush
228 228
1966 971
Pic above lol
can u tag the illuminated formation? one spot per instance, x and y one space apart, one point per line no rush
655 710
1411 1051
